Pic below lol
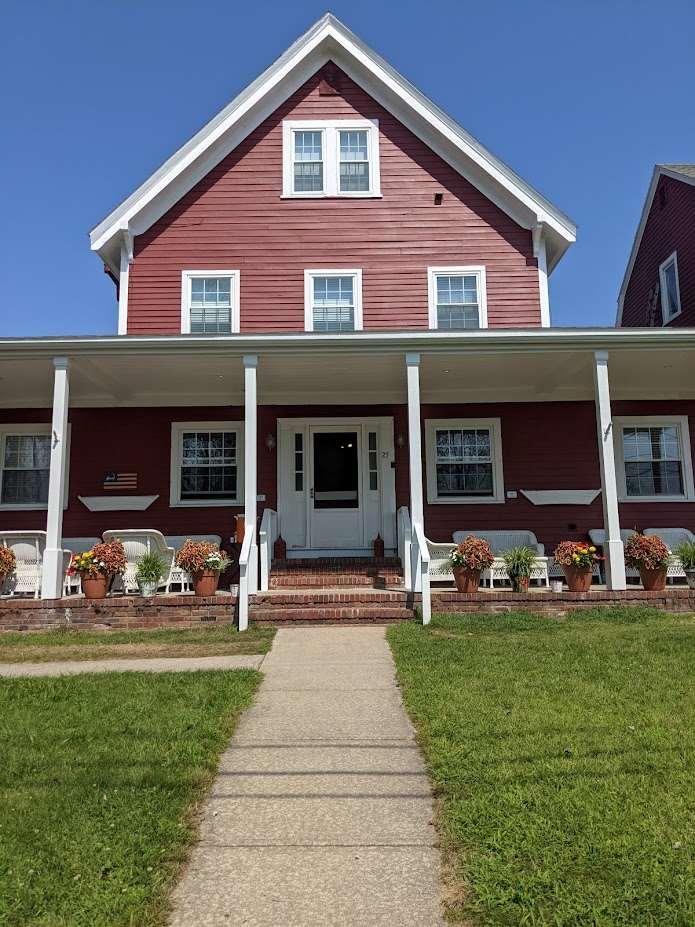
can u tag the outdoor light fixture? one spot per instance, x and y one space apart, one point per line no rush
400 440
270 441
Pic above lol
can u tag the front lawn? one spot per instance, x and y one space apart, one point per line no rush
98 779
563 755
40 646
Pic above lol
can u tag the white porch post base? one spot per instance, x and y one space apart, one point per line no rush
52 568
614 552
412 362
250 463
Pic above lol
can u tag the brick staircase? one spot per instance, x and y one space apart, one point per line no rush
333 590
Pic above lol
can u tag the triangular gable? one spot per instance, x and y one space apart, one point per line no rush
330 40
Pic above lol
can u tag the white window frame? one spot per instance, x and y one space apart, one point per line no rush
330 130
38 428
494 425
188 275
309 275
177 431
654 421
477 270
672 258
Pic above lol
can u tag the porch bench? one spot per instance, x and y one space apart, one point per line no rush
672 537
499 541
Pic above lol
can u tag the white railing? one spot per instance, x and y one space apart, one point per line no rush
267 535
246 575
421 569
405 531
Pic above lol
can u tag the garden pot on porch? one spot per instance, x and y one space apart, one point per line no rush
95 587
578 579
466 580
689 575
653 580
520 583
205 583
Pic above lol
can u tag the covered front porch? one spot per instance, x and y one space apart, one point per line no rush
333 443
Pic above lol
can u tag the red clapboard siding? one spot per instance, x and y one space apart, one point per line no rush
236 219
669 228
544 445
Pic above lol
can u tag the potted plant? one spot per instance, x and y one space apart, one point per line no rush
98 566
651 557
204 561
8 562
468 560
149 573
686 554
577 560
519 562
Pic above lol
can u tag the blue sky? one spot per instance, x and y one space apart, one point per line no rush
580 98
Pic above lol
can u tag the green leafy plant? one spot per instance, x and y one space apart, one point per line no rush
150 568
519 561
686 554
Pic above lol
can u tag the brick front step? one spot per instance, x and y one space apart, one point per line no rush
345 613
331 572
280 606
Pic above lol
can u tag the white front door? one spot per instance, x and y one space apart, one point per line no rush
336 485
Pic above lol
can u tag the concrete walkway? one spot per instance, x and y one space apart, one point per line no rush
139 665
321 813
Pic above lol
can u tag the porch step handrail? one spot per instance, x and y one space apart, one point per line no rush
421 559
405 532
244 567
267 535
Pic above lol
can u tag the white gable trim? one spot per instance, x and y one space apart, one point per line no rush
328 40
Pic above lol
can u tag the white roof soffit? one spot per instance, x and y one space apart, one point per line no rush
328 39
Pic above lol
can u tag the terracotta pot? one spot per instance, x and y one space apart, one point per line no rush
466 580
95 587
520 583
205 583
578 578
653 580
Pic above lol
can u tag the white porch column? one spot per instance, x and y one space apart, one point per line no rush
52 578
613 548
250 462
412 362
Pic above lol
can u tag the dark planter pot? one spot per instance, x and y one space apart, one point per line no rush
205 583
689 575
466 580
95 587
653 580
520 583
578 579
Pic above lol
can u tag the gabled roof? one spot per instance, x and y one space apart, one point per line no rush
683 172
329 40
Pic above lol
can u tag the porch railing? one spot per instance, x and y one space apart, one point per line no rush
421 569
267 535
405 531
245 575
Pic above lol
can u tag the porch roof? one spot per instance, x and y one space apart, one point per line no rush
501 365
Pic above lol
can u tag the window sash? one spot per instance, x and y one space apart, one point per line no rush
457 301
333 303
210 305
208 465
25 469
353 167
652 458
669 276
464 464
307 161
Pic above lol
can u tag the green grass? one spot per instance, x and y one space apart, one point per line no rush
563 756
98 779
67 644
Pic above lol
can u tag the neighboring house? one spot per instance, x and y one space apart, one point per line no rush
659 284
333 305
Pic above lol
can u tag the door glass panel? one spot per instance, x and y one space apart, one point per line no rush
336 471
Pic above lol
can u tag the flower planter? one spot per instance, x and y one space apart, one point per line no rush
95 587
653 580
578 579
520 583
466 580
147 587
205 583
689 575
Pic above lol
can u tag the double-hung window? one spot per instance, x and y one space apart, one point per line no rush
25 460
457 297
670 290
332 300
206 461
653 458
338 157
210 302
464 461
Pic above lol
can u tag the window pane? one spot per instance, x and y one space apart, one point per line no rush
208 465
457 301
354 162
26 463
308 162
333 304
464 462
211 305
652 458
307 146
671 288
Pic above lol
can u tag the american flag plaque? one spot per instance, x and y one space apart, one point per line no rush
115 479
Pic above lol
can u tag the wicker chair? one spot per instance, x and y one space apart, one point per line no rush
136 543
499 541
28 547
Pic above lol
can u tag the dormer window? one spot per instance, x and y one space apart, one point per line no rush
670 290
210 302
334 158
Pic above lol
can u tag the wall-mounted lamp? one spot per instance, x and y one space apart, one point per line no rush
400 440
270 441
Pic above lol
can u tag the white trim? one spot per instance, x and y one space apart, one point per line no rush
655 421
52 573
328 39
32 428
177 430
251 465
540 253
605 431
662 288
330 150
560 496
477 270
188 275
355 272
123 284
117 503
494 425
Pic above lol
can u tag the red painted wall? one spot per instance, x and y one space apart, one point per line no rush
669 228
545 446
235 219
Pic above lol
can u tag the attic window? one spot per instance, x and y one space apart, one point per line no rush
335 158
